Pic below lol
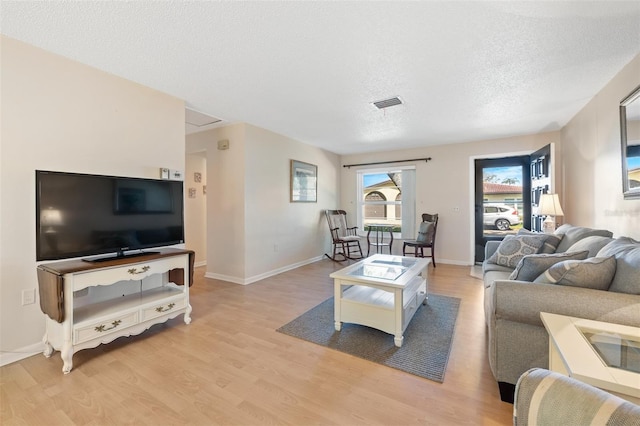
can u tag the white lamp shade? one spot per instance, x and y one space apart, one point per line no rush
550 205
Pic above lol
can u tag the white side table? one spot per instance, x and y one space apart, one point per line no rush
601 354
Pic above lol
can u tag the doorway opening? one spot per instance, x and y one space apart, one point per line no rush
195 210
502 199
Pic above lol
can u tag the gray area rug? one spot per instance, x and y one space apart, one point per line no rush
425 349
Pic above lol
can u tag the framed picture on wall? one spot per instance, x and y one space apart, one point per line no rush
304 182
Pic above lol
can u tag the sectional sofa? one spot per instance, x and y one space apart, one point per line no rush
577 271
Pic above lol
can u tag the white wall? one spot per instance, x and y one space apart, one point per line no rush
443 185
195 209
280 234
253 231
60 115
225 199
592 165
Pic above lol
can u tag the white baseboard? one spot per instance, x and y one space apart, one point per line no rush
8 357
250 280
199 264
222 277
453 262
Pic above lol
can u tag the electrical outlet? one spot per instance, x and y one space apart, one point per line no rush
175 174
28 296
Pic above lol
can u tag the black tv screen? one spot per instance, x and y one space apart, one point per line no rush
84 215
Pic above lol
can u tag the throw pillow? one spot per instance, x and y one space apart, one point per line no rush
550 243
425 233
595 272
572 234
531 266
593 244
627 254
515 247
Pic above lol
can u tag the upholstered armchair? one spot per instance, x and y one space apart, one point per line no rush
545 397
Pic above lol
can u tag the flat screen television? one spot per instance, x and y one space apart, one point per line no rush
87 215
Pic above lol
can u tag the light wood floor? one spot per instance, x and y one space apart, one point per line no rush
230 367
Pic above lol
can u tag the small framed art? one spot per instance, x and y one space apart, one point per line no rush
304 182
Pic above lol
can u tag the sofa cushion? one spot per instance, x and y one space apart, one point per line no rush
572 234
560 230
532 265
551 241
595 272
627 254
488 267
491 276
514 247
593 244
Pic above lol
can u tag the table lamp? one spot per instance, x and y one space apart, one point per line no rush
549 206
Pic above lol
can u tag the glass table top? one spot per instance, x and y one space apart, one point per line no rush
395 261
615 350
386 269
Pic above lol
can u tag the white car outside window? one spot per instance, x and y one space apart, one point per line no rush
502 216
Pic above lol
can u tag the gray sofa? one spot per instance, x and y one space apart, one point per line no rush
577 271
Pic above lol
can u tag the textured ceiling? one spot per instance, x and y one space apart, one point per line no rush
465 71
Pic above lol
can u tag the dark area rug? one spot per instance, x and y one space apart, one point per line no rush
425 349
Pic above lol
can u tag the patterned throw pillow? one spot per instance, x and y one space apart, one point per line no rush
551 241
531 266
514 247
595 272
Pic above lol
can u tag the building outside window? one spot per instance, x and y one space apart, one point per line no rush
387 197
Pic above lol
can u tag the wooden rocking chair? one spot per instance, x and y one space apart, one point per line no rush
346 242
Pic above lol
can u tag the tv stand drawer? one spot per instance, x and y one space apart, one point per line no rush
131 272
163 308
105 327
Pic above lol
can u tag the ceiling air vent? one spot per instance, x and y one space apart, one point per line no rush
386 103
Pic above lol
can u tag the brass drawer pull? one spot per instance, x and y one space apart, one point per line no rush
168 308
102 327
133 271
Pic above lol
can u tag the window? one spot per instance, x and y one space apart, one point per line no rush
374 210
387 196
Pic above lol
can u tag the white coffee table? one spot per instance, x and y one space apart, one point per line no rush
602 354
382 292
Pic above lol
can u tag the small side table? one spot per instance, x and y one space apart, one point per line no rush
376 237
575 354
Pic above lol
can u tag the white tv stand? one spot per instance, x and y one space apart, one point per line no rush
79 323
